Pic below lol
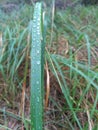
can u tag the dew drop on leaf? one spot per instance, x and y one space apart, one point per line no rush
38 62
37 82
38 51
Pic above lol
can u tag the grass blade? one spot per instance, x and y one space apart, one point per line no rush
37 53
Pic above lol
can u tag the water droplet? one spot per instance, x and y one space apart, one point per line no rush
34 31
38 32
38 51
38 62
37 82
37 41
37 99
38 24
34 23
33 46
38 19
38 90
34 39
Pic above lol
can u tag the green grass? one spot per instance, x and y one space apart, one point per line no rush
78 26
73 76
37 77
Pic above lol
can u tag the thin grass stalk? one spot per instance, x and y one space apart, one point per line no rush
88 52
52 21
